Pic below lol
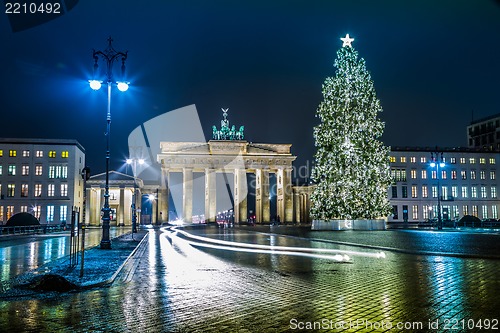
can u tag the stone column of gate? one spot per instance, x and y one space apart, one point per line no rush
258 195
163 193
210 195
296 203
240 195
187 195
262 207
288 199
285 202
266 206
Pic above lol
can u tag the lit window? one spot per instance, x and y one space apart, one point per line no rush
453 174
63 213
12 170
1 152
50 190
413 174
24 209
413 159
64 172
482 160
25 170
484 209
482 174
424 174
11 190
38 190
434 191
494 212
492 175
403 159
26 153
462 160
38 170
1 170
65 154
425 211
39 153
444 192
465 210
454 191
52 171
455 212
36 211
392 159
24 190
472 160
474 210
423 160
464 191
493 192
473 192
473 174
463 173
10 211
414 211
424 191
50 213
52 153
453 160
414 191
64 190
483 191
12 153
433 174
443 174
492 160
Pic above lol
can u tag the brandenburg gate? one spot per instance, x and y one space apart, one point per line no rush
228 152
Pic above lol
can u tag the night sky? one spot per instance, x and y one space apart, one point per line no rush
435 65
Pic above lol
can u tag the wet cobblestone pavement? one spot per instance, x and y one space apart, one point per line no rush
172 286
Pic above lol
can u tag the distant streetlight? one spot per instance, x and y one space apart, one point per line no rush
437 161
133 162
109 55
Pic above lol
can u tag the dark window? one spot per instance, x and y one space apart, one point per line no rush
404 190
394 191
395 212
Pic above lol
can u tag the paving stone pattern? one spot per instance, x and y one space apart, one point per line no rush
170 286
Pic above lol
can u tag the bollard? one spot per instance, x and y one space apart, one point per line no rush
83 249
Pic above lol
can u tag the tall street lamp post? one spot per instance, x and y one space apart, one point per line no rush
437 161
109 55
134 162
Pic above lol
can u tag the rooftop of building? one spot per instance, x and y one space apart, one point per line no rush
48 142
445 149
481 120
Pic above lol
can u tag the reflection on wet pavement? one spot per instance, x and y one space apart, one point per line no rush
175 287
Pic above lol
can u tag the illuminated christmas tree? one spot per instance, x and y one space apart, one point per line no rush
351 168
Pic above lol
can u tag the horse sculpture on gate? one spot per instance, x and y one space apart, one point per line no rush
226 132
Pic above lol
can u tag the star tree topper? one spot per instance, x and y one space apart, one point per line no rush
347 40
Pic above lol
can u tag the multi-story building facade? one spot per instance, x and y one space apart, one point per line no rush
484 133
41 177
466 184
